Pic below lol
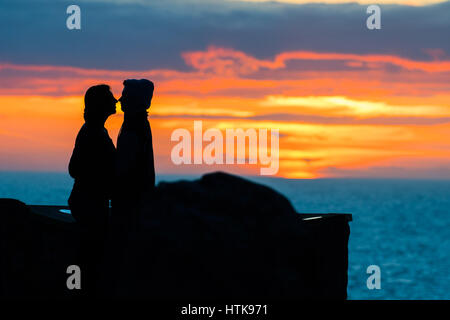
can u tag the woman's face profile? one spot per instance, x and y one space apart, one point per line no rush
111 106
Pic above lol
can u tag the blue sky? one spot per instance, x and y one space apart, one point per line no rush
130 35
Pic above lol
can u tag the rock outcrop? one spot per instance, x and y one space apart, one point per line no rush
217 237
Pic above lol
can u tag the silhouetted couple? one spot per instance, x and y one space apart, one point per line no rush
125 176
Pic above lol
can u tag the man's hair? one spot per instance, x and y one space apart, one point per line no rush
95 99
139 94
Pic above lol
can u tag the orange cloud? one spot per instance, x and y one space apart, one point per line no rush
229 62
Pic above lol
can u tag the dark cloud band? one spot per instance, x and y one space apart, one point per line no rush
134 36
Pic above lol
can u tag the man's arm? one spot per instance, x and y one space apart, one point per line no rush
127 155
151 162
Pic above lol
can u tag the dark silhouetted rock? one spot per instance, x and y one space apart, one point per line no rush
36 250
217 237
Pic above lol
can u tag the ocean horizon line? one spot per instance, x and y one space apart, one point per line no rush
198 175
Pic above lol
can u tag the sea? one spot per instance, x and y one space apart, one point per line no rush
401 226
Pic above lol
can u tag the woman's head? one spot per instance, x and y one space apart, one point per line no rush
99 103
136 95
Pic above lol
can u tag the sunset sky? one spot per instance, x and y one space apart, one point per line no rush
348 101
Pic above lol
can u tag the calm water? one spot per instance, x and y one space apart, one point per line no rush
400 225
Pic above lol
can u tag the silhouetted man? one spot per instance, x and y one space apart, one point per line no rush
135 164
135 181
92 165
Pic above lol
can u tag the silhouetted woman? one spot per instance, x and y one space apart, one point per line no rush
92 165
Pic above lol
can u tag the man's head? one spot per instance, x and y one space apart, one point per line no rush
136 95
99 102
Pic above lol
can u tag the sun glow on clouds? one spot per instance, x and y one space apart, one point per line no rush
340 105
355 114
